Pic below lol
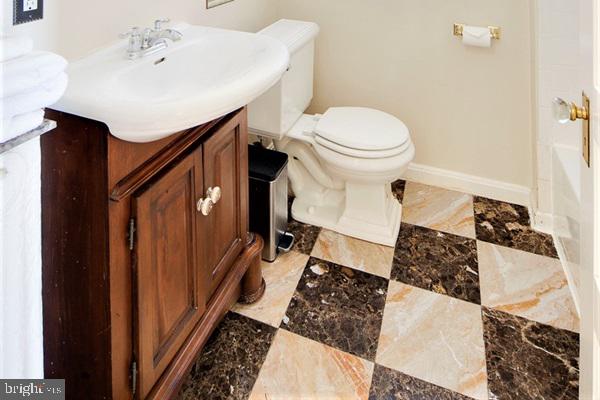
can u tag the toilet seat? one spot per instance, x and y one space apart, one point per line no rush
357 153
361 132
354 132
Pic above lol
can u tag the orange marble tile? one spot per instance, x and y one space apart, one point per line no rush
440 209
281 278
434 338
299 368
354 253
526 284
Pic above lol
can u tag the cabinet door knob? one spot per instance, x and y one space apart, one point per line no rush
204 206
214 194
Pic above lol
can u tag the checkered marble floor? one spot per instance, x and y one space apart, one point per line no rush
471 303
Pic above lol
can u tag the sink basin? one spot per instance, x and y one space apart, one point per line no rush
206 75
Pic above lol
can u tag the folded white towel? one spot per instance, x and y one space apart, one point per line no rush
19 124
44 95
26 72
14 46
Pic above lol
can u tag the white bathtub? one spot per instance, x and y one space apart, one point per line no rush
566 203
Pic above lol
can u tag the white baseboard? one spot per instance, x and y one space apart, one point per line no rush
541 221
472 184
562 255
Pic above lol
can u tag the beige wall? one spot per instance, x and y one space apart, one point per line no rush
74 27
469 109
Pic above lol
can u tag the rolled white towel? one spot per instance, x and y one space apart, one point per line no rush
14 46
19 124
44 95
28 71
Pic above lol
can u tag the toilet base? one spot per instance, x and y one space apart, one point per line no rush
359 216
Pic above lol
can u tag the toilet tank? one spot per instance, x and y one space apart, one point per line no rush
276 111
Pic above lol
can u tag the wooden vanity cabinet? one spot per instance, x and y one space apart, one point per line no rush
135 276
170 271
226 162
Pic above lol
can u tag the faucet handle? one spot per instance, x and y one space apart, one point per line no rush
158 23
133 32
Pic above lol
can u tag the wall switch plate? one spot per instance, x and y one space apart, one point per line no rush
27 10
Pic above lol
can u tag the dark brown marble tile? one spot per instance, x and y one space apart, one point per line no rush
339 307
437 261
398 189
529 360
231 360
388 384
305 236
509 225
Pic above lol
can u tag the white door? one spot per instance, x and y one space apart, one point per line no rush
590 205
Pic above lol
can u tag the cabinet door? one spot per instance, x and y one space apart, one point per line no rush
171 276
226 167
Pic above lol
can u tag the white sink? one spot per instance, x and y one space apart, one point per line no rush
205 75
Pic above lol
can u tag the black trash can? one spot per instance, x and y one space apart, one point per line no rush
268 199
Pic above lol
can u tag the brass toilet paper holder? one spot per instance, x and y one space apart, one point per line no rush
495 31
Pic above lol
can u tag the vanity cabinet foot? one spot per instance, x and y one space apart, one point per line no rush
253 284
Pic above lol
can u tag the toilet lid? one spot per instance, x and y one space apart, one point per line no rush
357 153
362 128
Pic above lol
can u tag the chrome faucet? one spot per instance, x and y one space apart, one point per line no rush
150 40
168 33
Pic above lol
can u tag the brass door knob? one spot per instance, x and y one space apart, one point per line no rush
565 112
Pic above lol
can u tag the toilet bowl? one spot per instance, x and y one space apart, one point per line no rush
342 163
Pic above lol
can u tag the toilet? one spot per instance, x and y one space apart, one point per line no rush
342 163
